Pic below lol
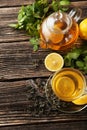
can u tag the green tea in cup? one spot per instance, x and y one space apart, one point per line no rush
68 84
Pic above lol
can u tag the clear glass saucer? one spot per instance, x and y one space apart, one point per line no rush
66 107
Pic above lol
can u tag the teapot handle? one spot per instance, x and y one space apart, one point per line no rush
75 13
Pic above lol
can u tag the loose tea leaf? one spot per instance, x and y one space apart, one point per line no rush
39 106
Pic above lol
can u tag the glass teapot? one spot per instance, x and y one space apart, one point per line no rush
59 31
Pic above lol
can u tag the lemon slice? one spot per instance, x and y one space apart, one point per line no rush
54 62
63 86
81 101
83 29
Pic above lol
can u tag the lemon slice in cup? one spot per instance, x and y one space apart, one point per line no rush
81 100
54 62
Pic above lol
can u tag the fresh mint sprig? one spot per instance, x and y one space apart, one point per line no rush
77 58
31 16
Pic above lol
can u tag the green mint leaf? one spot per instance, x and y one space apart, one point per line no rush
35 43
67 61
55 5
14 25
85 69
74 55
35 47
85 59
84 53
64 3
46 9
80 64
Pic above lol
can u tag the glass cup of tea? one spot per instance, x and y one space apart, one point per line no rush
60 30
68 84
64 87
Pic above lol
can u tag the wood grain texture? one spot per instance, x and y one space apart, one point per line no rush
12 3
15 107
21 68
51 126
20 55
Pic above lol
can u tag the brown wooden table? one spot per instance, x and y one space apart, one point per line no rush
23 104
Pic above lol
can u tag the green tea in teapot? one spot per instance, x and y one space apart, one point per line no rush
58 31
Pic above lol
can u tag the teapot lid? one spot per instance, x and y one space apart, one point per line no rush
59 21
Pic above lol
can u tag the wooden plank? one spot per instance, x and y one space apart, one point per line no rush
20 55
7 14
9 3
8 35
18 105
60 126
